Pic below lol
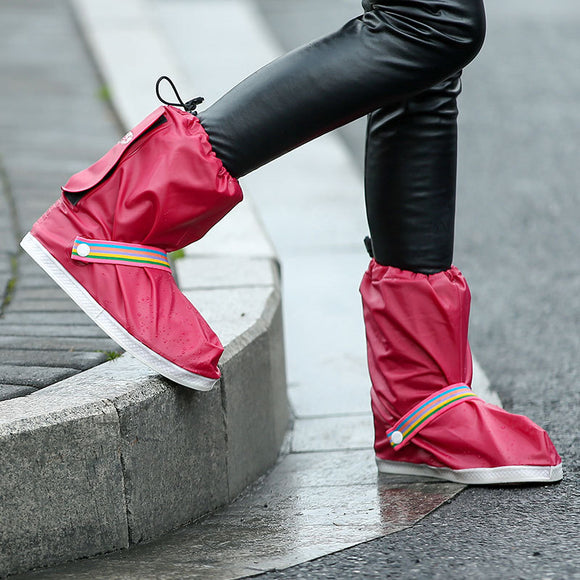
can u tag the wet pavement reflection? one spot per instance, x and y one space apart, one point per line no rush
310 505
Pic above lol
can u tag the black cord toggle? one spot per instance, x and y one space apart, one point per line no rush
369 246
189 106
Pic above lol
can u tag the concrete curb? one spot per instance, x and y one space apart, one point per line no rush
117 455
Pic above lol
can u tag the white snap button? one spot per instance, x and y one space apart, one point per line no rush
127 138
83 250
396 437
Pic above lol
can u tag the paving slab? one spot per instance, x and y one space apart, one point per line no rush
44 304
176 433
328 433
51 330
55 343
13 391
197 271
57 455
63 359
42 54
46 318
34 376
35 295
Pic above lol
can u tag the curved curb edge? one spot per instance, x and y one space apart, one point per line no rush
118 455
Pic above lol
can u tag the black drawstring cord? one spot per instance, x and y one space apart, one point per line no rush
190 106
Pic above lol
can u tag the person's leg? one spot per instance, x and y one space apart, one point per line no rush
410 177
395 50
416 305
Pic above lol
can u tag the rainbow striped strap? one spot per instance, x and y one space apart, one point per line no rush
108 252
426 411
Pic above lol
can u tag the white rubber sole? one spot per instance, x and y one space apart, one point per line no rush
477 476
108 324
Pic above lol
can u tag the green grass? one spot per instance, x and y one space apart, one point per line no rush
111 354
177 255
104 93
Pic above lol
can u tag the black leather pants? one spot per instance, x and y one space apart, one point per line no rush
399 63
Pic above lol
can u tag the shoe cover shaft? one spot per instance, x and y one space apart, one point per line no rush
161 186
417 342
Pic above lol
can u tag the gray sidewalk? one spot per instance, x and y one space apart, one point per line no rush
52 123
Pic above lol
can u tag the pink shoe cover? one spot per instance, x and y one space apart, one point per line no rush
428 422
159 189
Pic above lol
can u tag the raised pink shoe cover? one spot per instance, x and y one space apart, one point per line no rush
427 419
157 190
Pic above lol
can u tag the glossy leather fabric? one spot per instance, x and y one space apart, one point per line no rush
410 177
382 60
